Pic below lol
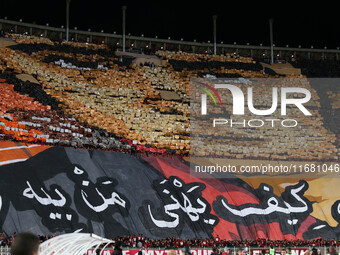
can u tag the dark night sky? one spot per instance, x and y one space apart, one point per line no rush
314 24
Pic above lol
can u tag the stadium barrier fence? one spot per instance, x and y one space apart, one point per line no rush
322 250
155 43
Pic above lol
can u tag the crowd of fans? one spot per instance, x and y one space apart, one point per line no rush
87 96
139 241
7 240
28 114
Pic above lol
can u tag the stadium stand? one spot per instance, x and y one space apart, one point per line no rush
92 89
310 142
89 97
140 241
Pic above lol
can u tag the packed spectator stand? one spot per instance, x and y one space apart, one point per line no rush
139 241
89 97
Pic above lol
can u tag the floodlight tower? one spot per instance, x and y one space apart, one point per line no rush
67 19
271 41
214 20
124 16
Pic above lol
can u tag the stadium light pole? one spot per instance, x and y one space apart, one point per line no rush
124 11
67 19
214 19
271 41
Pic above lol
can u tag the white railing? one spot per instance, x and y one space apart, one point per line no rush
5 250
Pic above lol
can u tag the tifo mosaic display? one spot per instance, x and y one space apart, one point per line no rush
89 97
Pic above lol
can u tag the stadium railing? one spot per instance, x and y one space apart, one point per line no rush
157 43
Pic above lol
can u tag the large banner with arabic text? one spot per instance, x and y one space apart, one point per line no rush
58 190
